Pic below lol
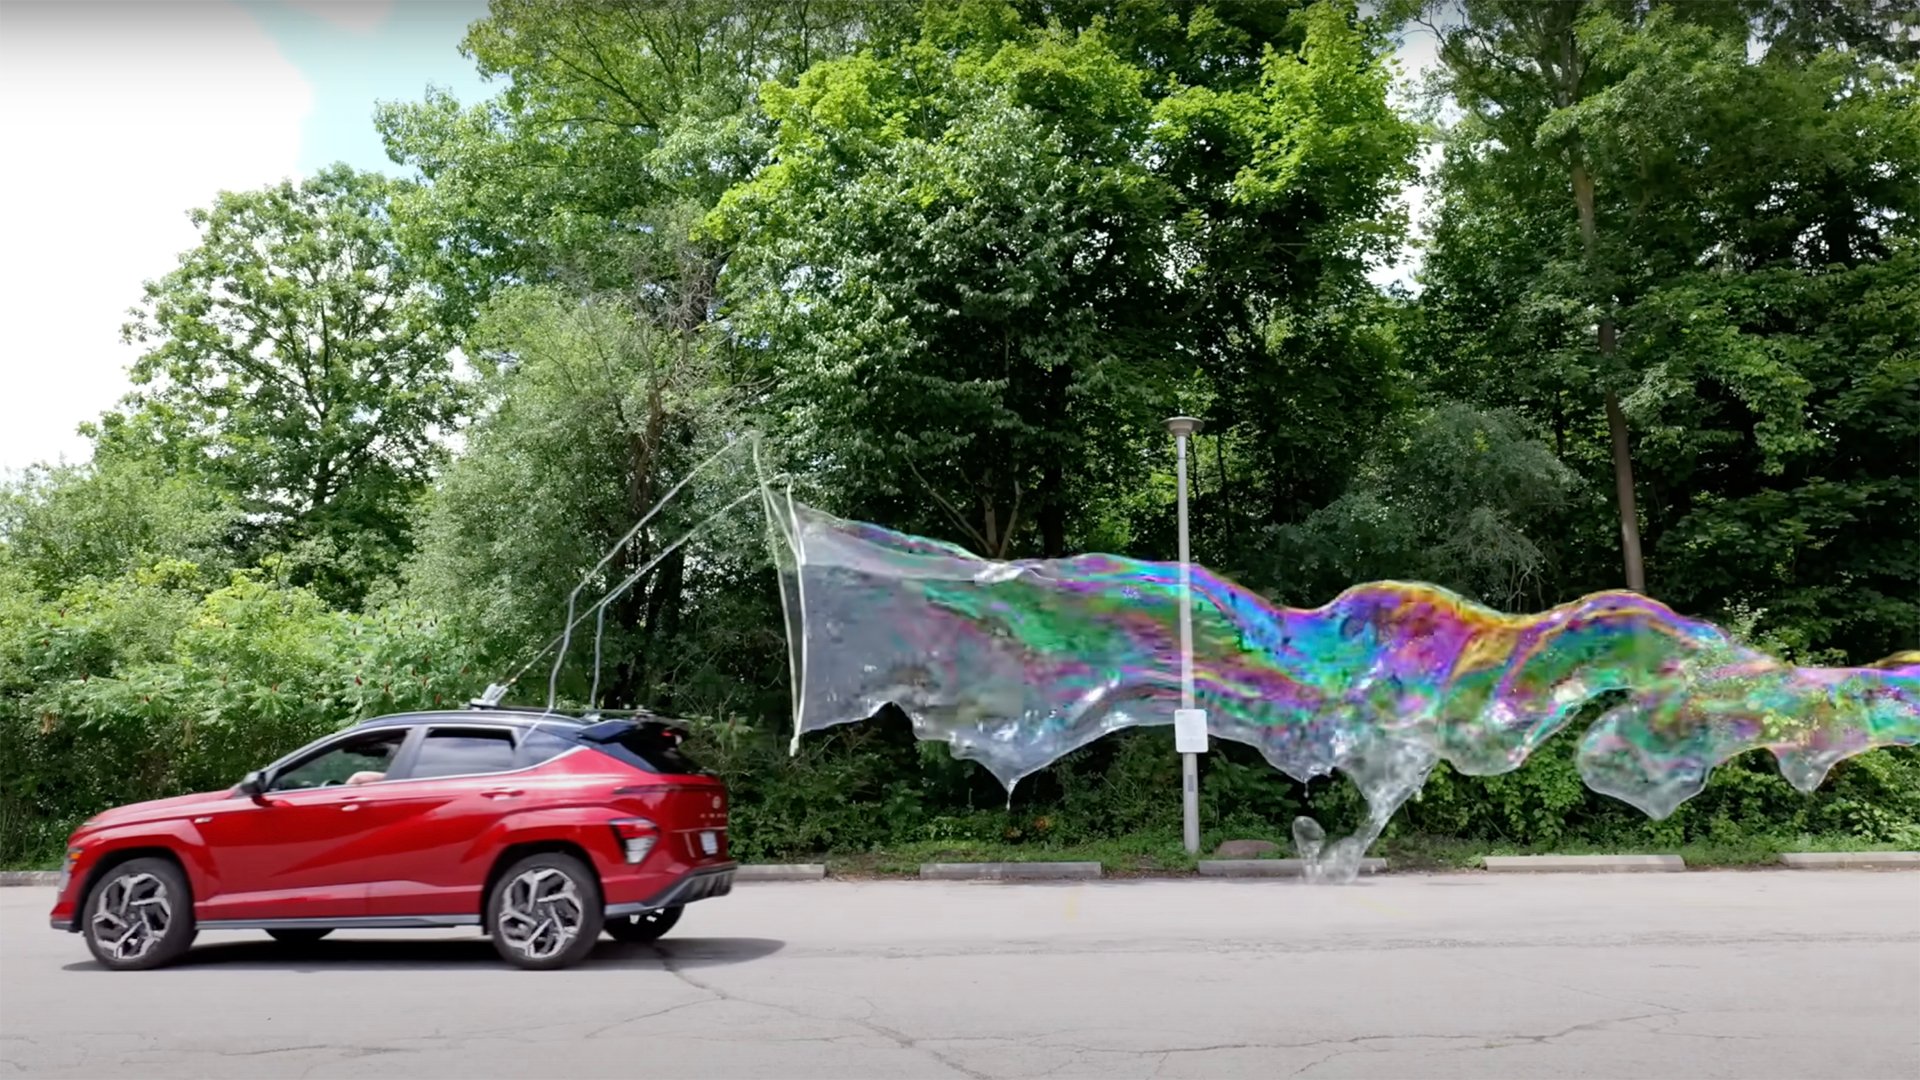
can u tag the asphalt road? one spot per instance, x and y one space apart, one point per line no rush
1748 975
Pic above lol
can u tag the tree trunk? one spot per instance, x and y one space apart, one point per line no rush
1623 493
1053 474
1616 419
1224 499
1053 509
662 630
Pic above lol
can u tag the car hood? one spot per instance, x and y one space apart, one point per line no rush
155 810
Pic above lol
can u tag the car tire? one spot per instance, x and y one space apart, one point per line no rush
545 912
139 915
644 927
298 935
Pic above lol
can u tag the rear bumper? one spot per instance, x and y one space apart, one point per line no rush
702 884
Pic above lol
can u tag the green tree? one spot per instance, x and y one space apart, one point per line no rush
1465 499
618 127
59 524
591 413
1732 264
983 262
614 118
295 359
1522 72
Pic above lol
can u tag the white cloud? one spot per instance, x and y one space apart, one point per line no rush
120 118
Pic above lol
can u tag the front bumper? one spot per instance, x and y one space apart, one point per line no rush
702 884
66 898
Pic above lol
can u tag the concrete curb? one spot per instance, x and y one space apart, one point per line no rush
1826 860
29 877
780 872
1009 871
1263 868
1563 864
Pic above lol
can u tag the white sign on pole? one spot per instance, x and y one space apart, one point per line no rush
1190 731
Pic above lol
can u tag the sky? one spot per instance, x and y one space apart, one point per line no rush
126 114
123 116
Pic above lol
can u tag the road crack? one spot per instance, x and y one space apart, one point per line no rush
898 1038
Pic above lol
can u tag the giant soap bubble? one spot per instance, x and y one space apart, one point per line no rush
1016 664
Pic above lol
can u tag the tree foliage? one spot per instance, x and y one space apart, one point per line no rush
294 359
1756 215
981 264
956 261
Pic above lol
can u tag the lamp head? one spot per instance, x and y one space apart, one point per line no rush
1183 425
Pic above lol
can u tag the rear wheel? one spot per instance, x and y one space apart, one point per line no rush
300 936
139 915
644 927
545 912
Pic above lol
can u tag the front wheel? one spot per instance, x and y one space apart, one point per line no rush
139 915
644 927
545 912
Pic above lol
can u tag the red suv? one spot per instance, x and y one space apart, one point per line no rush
541 829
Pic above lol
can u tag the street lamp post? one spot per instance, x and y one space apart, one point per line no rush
1189 724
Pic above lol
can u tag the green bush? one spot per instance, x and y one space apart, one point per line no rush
138 688
868 788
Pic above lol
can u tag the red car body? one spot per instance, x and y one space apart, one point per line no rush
417 846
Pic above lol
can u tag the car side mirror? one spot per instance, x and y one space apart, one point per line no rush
254 786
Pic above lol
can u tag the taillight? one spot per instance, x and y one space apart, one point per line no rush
637 837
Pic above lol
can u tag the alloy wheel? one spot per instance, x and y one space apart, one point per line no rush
541 913
132 916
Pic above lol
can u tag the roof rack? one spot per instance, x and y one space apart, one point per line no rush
491 700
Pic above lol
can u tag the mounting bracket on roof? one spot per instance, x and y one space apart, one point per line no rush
491 699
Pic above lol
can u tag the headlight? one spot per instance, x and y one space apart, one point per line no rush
66 868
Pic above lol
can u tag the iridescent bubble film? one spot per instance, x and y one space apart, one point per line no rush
1017 664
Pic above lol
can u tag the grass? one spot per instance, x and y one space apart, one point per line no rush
1448 853
1163 856
1123 857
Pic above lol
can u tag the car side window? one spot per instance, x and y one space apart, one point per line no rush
359 760
539 745
463 752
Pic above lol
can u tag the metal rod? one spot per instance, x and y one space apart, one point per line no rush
1189 763
566 635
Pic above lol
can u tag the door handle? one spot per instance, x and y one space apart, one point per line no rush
502 793
350 804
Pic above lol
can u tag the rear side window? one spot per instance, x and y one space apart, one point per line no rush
651 746
540 744
463 752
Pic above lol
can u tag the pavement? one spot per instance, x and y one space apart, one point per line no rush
1749 975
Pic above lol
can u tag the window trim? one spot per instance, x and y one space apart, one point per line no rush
409 749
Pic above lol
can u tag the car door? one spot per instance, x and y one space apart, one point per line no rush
298 853
458 781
